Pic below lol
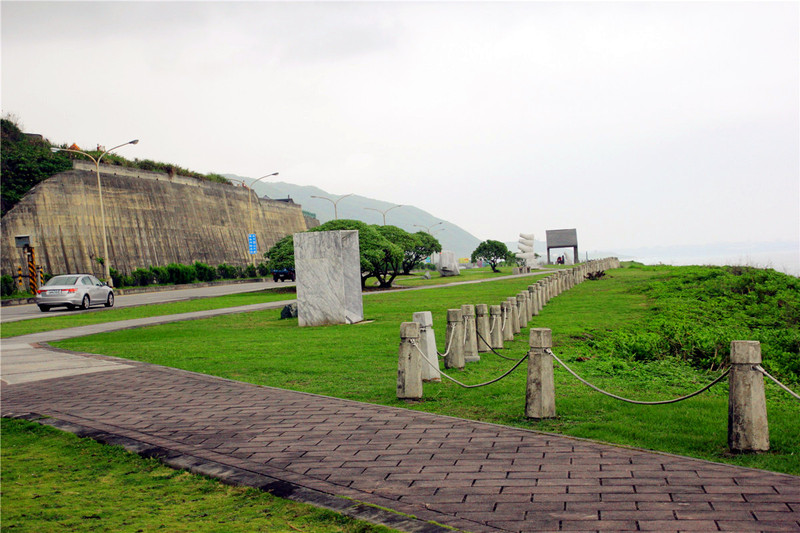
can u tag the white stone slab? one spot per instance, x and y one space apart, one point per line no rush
328 267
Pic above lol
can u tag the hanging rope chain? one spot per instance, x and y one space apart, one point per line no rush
662 402
494 352
781 385
454 380
449 344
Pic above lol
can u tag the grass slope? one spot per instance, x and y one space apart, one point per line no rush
360 363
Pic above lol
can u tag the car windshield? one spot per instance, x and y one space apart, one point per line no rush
62 280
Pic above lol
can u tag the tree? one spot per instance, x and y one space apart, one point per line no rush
492 252
394 265
425 244
281 255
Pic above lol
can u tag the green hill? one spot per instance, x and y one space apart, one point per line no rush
357 207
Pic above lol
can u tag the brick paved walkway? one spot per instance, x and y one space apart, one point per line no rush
468 475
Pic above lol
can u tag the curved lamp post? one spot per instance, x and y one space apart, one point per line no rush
335 210
428 228
250 203
106 259
383 212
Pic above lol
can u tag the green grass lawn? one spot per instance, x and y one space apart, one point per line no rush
359 362
101 316
472 274
55 481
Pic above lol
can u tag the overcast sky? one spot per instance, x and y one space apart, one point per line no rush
665 123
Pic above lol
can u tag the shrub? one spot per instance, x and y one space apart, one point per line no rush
8 285
249 272
116 276
179 274
142 277
205 272
227 271
160 274
263 269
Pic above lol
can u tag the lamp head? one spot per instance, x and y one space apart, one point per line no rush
54 150
135 141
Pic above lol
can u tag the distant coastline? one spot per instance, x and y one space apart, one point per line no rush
781 256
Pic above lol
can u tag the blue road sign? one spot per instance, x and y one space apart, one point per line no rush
251 242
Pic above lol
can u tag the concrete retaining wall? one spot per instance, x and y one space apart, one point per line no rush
152 219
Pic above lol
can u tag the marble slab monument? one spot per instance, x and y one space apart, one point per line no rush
328 268
448 266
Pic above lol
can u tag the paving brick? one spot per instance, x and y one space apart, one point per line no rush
472 476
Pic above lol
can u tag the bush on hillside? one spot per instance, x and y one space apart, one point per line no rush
698 311
25 162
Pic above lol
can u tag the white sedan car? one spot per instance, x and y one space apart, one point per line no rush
74 290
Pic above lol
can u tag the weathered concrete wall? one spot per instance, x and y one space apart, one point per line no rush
152 219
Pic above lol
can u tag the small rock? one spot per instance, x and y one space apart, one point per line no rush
289 311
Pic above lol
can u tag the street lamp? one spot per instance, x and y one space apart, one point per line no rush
383 212
335 210
428 228
106 259
250 204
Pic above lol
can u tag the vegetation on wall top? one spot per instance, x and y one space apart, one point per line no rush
27 160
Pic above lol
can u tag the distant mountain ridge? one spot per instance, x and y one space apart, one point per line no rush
407 217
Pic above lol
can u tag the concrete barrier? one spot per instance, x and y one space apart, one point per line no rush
540 390
409 376
748 430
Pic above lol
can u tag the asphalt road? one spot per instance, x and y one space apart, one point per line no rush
14 313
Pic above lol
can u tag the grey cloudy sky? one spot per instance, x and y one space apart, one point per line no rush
638 123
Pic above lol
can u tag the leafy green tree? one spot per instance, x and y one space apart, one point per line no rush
281 255
394 263
25 162
425 244
492 252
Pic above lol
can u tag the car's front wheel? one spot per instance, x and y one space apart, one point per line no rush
85 302
110 300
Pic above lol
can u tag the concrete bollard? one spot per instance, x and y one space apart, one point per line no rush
747 406
528 304
508 317
455 340
540 399
470 337
496 326
482 327
427 344
522 310
515 271
409 377
532 300
514 314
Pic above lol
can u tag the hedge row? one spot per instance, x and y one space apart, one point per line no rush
176 273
